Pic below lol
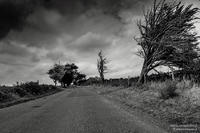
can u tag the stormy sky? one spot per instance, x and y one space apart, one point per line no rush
36 34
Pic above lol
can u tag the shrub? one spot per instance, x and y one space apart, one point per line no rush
34 88
4 97
31 87
28 89
20 91
168 90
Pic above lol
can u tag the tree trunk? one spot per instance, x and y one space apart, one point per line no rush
172 70
102 78
129 81
143 75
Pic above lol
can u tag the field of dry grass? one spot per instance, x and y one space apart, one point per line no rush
183 108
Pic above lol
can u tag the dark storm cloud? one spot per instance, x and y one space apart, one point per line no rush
14 13
12 16
74 7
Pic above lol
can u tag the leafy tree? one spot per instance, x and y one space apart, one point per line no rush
79 78
101 65
56 73
67 78
66 74
167 37
70 72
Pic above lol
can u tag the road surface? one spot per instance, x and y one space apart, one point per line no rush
78 111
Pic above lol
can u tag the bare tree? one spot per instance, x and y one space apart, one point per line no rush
101 65
167 37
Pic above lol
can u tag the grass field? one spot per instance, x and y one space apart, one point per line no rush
181 106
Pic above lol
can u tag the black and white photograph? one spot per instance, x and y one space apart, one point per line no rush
99 66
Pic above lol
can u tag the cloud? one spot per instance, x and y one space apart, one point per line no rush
43 31
45 14
110 7
12 53
91 42
13 15
12 48
55 55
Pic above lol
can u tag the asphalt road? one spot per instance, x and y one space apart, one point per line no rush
79 111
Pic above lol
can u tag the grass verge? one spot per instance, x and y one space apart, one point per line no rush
25 92
171 103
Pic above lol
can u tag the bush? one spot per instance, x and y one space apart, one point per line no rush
4 97
28 89
20 91
31 87
34 88
168 90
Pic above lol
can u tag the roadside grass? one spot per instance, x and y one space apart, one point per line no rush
173 102
24 92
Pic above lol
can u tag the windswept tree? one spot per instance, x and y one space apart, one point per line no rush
56 73
167 37
102 65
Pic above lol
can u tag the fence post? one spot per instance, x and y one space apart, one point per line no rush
128 81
